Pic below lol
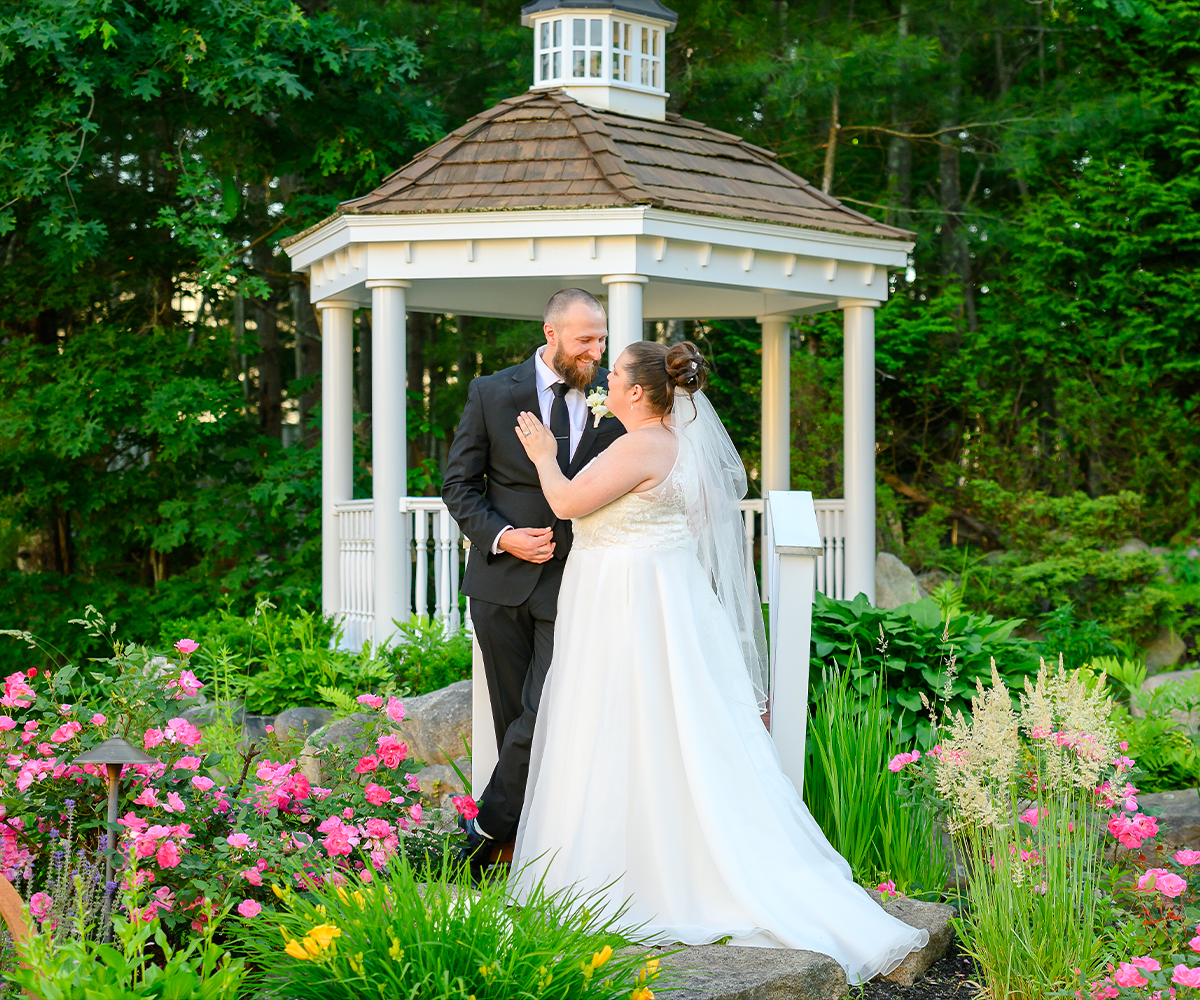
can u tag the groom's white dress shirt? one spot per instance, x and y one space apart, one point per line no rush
577 410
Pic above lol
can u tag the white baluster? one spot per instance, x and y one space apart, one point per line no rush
456 549
422 583
442 566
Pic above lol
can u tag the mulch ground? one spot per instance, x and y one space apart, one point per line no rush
952 978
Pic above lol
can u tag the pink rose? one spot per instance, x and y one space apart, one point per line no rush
187 647
370 700
902 760
337 842
253 876
174 803
466 807
182 731
412 784
98 719
1187 858
238 841
1185 976
378 828
395 710
367 764
152 738
1161 880
1146 962
40 905
201 783
391 751
168 855
149 798
1129 975
249 909
1032 816
7 723
186 764
377 795
416 812
188 685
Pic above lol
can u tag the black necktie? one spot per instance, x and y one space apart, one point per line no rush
560 424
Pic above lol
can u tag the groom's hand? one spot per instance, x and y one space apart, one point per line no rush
534 545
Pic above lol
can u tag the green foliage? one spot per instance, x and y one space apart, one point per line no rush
1166 751
416 932
140 963
911 649
882 832
425 658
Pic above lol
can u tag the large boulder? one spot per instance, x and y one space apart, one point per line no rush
440 783
437 724
1132 545
895 583
302 722
1165 651
932 917
1192 722
721 972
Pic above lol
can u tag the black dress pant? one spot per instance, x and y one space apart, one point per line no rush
517 644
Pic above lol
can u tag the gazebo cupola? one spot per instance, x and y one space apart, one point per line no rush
604 53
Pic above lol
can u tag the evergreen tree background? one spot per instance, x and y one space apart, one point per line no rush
160 364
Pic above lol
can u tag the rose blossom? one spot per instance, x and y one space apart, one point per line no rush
1129 975
1146 962
1187 858
377 795
902 760
1161 880
187 646
238 841
40 905
395 710
370 700
201 783
187 764
366 764
149 797
174 803
152 738
168 855
466 807
337 841
1032 816
249 909
1185 976
98 719
416 812
253 876
391 750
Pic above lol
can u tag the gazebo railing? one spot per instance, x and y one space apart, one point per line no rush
438 554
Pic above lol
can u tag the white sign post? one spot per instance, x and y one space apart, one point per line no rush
794 544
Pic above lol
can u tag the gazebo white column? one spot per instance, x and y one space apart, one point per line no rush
337 439
389 454
859 445
776 403
624 311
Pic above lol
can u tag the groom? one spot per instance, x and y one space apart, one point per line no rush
518 547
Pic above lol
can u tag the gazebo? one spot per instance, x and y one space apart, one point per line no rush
586 180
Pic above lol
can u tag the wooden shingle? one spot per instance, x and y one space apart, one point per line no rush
544 149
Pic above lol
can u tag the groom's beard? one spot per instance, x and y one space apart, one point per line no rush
571 373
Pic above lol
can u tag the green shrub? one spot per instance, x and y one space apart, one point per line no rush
910 648
424 933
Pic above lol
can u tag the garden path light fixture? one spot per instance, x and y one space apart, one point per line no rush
113 754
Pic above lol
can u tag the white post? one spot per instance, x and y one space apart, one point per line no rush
389 455
795 545
624 311
859 445
337 439
776 403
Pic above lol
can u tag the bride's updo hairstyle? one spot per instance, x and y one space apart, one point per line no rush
660 370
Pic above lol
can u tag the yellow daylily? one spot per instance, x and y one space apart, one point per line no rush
602 956
324 934
296 950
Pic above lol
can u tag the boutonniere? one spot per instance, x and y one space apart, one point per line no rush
596 401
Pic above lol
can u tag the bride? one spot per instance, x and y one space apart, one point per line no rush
651 769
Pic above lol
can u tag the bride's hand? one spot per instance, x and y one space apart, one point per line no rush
535 436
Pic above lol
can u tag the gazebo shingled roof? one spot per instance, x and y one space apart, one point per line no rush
544 149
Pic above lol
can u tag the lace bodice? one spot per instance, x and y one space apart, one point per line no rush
655 519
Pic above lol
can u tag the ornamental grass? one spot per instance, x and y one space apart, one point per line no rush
426 933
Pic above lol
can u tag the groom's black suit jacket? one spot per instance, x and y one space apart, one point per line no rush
490 481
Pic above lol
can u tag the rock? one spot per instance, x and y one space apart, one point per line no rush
438 721
895 583
439 782
930 580
1171 677
1178 814
723 972
302 722
932 917
254 728
1166 650
1158 550
1132 545
344 730
205 714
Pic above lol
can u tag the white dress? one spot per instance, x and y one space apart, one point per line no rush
652 770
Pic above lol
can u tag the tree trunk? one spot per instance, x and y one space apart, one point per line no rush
270 378
831 148
899 154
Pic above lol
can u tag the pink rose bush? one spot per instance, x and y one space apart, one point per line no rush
198 834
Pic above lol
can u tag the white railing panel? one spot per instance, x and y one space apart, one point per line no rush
435 539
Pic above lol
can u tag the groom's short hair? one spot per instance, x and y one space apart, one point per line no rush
562 300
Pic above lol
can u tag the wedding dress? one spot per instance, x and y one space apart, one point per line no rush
651 770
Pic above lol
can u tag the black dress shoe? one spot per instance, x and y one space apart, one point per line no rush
476 852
